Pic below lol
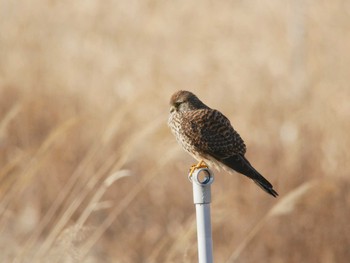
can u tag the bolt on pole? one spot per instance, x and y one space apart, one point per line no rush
201 181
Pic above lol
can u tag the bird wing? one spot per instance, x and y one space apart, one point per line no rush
211 133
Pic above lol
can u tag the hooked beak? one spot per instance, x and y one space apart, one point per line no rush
172 109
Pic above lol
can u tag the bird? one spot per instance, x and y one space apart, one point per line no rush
209 137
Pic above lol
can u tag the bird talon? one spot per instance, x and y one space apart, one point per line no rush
194 167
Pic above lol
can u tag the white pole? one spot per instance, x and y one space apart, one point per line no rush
201 180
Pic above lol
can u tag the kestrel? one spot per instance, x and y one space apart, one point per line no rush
208 136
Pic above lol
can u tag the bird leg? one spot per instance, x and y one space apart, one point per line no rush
199 165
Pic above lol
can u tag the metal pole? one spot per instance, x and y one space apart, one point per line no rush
201 180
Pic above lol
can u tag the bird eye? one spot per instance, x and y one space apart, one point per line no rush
177 104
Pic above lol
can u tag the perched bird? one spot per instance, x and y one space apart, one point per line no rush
208 136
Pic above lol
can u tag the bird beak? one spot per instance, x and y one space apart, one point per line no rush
172 109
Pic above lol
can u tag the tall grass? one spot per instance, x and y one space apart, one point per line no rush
89 171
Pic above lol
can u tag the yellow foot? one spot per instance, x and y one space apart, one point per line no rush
199 165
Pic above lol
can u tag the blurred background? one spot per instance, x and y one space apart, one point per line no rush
89 171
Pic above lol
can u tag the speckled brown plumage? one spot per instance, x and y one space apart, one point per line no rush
207 135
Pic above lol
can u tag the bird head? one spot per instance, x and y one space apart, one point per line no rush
183 100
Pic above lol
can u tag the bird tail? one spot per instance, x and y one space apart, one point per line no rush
240 164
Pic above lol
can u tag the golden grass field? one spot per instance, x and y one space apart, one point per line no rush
89 171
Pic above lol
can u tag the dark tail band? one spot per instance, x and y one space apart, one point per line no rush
240 164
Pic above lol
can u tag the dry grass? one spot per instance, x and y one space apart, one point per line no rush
89 171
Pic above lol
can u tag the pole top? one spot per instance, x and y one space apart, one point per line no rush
202 176
202 179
